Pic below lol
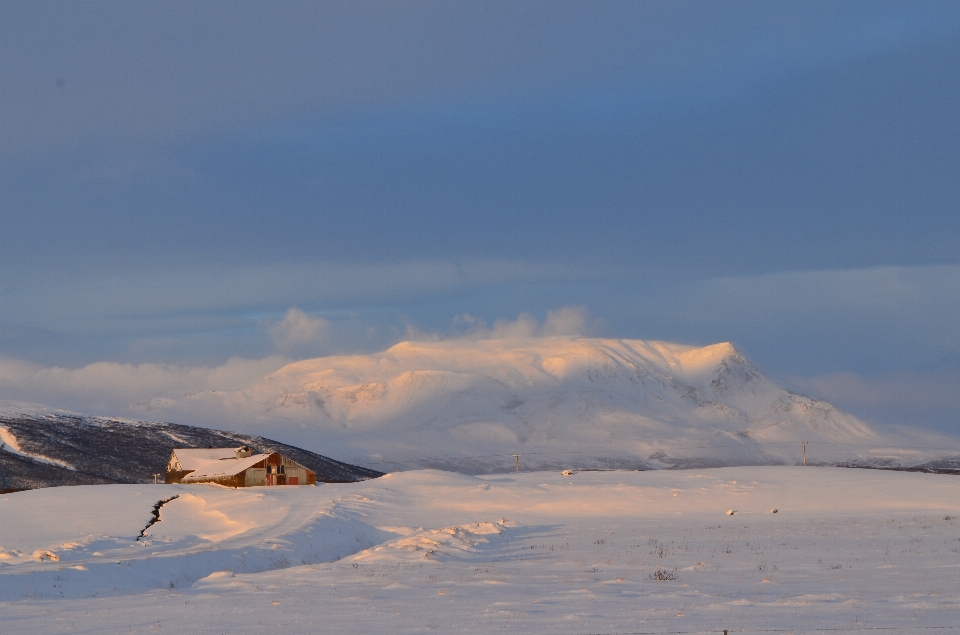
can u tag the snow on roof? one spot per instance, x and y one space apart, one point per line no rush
196 458
225 467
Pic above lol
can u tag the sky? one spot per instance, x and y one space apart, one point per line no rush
192 186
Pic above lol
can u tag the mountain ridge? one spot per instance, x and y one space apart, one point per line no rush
572 402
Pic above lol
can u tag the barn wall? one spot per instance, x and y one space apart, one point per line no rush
226 481
276 459
255 477
173 477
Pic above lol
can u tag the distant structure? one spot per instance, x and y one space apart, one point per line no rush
235 467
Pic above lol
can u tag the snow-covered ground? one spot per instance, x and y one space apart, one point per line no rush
430 551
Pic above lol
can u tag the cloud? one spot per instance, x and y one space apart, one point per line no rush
870 320
568 320
298 330
36 299
524 326
912 398
112 388
858 291
881 323
905 398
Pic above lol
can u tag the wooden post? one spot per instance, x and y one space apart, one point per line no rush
517 457
804 444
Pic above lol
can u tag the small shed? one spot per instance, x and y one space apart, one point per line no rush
235 467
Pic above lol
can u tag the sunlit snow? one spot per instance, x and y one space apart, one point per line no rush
467 405
590 552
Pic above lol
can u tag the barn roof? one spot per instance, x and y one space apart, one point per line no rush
196 458
230 466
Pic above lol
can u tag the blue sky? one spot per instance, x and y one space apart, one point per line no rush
177 176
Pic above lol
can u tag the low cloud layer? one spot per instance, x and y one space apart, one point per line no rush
109 388
121 389
96 301
881 325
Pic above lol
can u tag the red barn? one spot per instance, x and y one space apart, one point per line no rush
235 467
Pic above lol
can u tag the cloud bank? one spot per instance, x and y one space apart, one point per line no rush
123 389
110 388
34 297
882 325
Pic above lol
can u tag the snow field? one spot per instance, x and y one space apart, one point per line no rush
540 553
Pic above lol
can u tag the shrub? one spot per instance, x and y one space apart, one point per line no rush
661 575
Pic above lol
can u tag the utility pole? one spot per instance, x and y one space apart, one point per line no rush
517 457
804 444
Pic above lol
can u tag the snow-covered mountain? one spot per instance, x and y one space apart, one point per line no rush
559 401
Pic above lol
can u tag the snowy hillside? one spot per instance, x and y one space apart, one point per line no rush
559 401
690 551
45 449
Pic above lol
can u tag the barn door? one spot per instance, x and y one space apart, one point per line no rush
256 476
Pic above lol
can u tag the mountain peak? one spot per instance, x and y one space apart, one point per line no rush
561 401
